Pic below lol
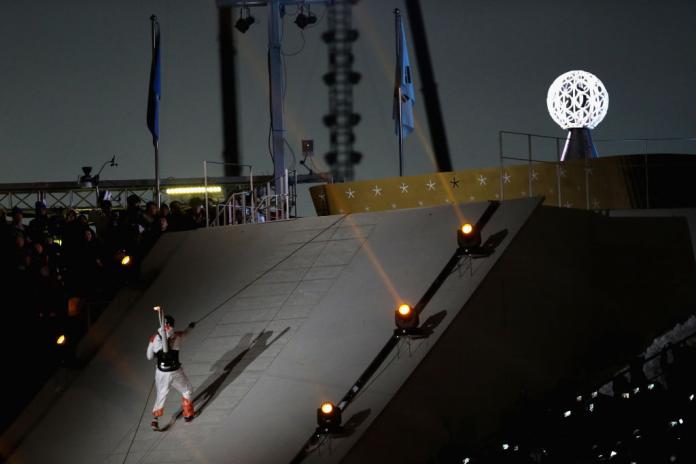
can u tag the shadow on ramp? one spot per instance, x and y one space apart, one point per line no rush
234 361
494 240
355 421
433 321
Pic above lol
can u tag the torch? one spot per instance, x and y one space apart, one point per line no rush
160 315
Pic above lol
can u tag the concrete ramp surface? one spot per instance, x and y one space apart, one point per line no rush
290 314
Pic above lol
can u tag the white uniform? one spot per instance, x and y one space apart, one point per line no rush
176 379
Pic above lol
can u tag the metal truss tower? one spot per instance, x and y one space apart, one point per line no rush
341 78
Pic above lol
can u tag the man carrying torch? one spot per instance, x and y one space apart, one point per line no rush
164 347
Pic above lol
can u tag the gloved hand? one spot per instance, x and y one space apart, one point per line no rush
192 325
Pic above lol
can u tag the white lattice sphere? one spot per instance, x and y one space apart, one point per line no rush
577 99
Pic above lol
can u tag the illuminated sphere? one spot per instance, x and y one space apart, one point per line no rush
577 99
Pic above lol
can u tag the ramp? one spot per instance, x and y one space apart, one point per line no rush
290 314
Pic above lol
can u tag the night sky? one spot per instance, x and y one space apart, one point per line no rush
74 74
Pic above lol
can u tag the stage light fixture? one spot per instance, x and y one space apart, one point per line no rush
328 419
303 20
193 190
86 180
407 321
123 258
243 23
468 239
61 340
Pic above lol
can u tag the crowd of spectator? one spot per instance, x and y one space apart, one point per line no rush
70 254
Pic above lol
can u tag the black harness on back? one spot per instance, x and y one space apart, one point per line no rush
169 361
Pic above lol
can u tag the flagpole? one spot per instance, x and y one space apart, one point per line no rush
158 195
157 176
397 20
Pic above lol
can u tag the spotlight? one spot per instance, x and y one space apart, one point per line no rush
406 319
303 20
328 419
123 258
63 354
469 239
243 23
87 180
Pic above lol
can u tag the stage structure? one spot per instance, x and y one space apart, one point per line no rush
578 101
307 322
340 79
276 11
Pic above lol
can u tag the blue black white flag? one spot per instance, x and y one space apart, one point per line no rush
155 90
404 81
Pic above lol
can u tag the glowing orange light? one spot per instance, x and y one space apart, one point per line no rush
327 408
125 261
61 340
404 310
467 229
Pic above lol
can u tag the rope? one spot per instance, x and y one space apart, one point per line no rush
252 282
217 307
140 420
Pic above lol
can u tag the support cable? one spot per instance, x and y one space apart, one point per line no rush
140 421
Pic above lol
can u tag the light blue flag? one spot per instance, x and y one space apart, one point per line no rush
403 80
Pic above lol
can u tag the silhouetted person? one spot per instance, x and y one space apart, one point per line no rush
39 225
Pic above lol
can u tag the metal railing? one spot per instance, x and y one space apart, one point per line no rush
543 149
258 204
67 195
